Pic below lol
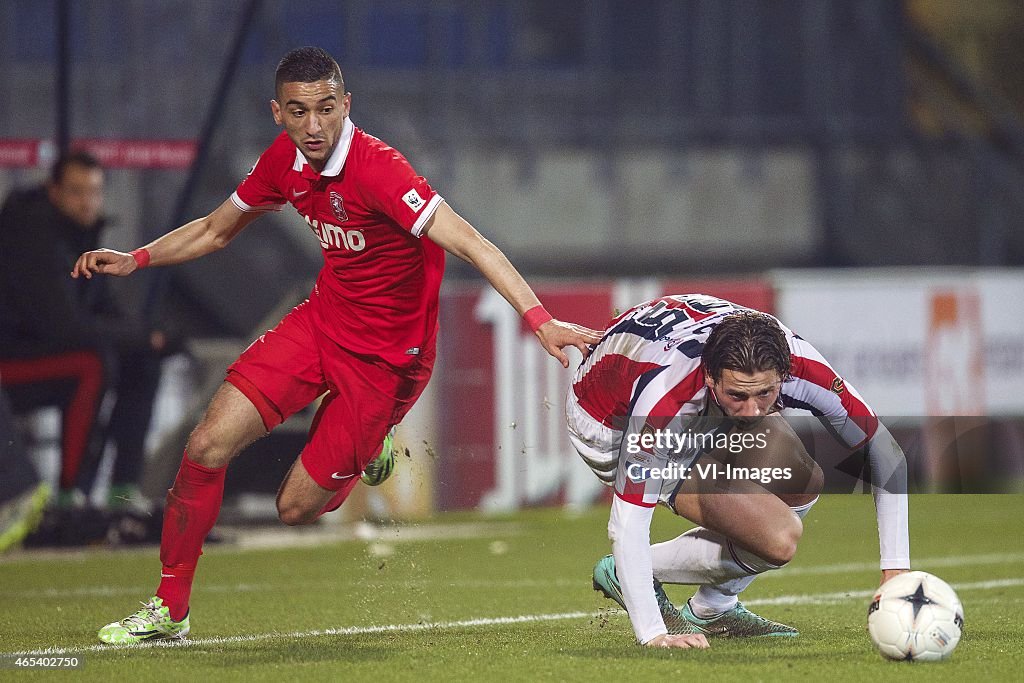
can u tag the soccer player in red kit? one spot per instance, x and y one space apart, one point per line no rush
365 336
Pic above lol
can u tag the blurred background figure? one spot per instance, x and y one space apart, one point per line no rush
65 343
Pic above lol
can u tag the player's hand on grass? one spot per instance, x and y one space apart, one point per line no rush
104 262
889 573
555 335
683 641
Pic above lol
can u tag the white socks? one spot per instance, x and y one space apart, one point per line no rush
703 556
707 558
710 601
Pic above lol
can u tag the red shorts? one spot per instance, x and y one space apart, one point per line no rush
287 368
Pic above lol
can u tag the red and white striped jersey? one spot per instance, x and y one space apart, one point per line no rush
646 372
649 364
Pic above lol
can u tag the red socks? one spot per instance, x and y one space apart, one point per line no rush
193 504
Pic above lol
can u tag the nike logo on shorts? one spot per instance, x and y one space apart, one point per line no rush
339 475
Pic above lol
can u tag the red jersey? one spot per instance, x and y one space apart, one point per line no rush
377 292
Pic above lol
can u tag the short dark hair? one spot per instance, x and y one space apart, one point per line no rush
307 65
76 158
747 341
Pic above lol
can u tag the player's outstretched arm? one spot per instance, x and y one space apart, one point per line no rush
629 530
889 488
190 241
455 235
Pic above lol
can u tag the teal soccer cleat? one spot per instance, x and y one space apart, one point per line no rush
739 622
606 582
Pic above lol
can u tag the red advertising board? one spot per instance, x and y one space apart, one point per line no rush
478 344
500 396
753 293
111 152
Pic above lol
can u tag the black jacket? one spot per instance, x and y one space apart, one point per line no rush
42 308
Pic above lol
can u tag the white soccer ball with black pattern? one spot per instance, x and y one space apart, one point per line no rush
916 617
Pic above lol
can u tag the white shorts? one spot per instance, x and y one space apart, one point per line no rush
600 448
596 443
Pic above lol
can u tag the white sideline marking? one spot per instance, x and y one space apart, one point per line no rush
344 631
115 591
817 599
927 564
832 598
318 535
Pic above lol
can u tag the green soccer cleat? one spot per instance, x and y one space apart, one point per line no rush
20 516
739 622
152 622
606 582
380 468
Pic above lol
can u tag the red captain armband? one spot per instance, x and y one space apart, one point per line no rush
537 316
141 257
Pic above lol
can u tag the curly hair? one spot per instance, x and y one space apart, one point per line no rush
747 341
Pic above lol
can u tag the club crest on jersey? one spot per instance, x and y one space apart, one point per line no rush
647 435
338 206
837 386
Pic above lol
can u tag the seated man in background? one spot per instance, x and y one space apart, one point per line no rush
64 342
678 405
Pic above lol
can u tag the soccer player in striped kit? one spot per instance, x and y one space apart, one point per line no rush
697 366
365 336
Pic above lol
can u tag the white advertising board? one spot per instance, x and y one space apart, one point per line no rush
915 342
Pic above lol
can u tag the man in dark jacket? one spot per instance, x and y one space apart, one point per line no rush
64 342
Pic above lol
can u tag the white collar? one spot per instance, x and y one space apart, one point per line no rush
337 160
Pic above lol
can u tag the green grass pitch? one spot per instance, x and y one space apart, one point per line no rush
509 598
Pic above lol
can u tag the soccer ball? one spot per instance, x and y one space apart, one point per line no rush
916 617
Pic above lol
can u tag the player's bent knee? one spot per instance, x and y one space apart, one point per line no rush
294 515
200 446
782 546
782 554
230 424
205 449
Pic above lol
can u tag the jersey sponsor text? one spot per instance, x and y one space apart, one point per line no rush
332 236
